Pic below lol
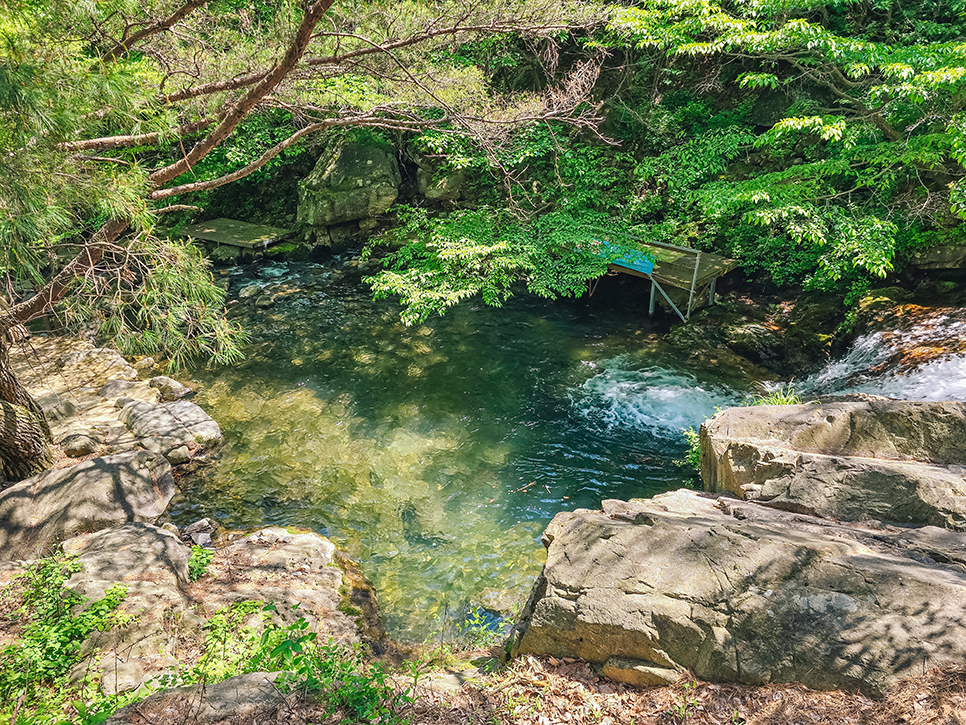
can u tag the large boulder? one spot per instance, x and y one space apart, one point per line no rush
889 460
164 426
734 591
943 256
351 181
42 511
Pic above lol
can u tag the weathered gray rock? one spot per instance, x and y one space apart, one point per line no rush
178 456
245 698
152 565
163 426
293 571
888 460
169 388
350 181
42 511
142 556
734 591
943 256
77 445
438 184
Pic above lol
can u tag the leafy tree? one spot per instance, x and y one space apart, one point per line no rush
110 109
868 151
864 164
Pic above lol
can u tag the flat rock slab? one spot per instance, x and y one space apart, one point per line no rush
152 565
295 571
235 233
42 511
734 591
889 460
163 426
246 698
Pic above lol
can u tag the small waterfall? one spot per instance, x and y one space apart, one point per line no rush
922 362
656 399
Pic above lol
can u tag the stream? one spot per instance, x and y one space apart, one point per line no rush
436 454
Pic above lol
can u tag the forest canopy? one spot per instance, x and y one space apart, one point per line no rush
819 143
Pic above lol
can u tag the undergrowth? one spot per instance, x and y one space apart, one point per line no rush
339 677
42 681
53 622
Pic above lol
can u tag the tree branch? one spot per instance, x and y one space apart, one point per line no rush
51 293
124 45
139 139
242 172
233 115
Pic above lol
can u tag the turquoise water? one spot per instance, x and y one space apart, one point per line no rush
437 454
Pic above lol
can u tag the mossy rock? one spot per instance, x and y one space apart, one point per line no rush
289 252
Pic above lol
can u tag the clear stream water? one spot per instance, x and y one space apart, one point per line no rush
436 454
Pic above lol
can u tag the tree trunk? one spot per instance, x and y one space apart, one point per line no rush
24 433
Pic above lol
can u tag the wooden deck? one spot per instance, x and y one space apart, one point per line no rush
235 233
676 268
689 275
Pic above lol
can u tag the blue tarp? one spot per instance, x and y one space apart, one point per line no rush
624 256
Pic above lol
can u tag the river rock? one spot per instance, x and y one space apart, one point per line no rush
163 426
169 388
351 181
152 565
942 256
436 182
78 445
38 513
889 460
296 572
738 592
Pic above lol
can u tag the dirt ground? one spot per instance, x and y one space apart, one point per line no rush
541 691
545 691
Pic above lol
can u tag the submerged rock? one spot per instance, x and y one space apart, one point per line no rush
734 591
889 460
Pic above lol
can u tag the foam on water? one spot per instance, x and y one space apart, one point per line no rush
656 399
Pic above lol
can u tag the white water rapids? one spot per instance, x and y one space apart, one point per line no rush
866 369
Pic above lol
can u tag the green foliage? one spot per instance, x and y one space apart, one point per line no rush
254 135
340 676
824 191
692 458
782 394
245 638
35 670
684 706
198 562
164 302
486 252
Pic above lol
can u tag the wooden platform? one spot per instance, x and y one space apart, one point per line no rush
235 233
688 273
676 268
